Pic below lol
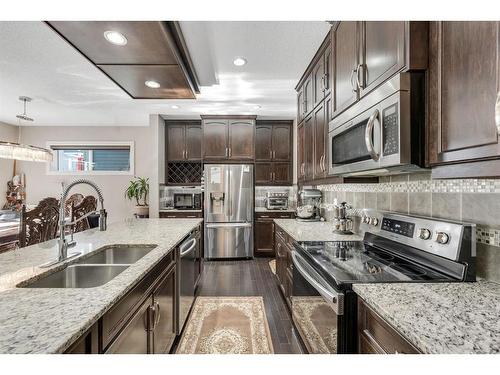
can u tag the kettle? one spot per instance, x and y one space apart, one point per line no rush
341 223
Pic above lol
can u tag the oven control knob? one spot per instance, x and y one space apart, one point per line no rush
442 238
366 219
424 234
374 221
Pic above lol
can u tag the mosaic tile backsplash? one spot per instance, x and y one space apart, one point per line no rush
470 200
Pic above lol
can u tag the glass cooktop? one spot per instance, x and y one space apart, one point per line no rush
357 262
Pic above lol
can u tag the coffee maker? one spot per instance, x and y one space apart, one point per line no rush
308 205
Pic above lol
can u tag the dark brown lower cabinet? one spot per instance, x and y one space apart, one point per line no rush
264 237
376 336
135 337
284 274
163 331
264 232
142 321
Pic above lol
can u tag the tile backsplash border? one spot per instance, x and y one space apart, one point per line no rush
469 200
418 194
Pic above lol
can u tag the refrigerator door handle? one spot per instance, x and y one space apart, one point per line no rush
229 225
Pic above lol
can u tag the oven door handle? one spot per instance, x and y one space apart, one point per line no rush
334 298
369 135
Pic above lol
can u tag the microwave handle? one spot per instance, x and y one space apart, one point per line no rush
368 135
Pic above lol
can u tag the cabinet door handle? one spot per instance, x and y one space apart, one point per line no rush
186 154
157 317
359 81
226 154
263 215
270 154
354 89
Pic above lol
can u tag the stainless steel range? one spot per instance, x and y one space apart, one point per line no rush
395 248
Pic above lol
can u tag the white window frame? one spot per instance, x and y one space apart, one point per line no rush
129 144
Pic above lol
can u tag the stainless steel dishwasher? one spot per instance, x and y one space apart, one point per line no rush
186 277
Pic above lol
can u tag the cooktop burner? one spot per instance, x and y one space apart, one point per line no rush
349 262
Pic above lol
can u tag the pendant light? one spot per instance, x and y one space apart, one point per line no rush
18 151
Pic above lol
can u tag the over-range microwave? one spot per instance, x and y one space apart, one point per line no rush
384 133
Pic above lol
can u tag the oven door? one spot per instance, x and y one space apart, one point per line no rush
317 309
356 144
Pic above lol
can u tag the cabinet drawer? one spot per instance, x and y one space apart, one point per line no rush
180 215
376 335
114 320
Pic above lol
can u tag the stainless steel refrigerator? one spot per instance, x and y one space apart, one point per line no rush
228 210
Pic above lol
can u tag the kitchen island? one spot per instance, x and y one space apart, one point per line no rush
50 320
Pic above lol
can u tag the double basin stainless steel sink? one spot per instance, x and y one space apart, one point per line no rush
95 270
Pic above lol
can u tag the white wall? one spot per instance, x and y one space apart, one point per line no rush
8 133
157 134
41 185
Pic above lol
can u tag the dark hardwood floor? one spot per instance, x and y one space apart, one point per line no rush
253 278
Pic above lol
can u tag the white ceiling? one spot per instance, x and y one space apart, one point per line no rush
68 90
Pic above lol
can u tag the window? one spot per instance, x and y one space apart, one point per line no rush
92 158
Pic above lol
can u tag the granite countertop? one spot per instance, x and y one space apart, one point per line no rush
450 318
313 231
50 320
263 209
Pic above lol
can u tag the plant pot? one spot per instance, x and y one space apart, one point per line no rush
141 211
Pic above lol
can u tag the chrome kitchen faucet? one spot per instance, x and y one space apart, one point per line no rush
63 244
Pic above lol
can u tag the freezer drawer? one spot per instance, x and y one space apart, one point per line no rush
228 240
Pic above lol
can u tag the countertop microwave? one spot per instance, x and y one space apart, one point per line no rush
384 133
187 201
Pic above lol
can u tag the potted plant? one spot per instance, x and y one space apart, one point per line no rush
138 190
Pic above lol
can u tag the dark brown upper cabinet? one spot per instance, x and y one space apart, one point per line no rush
215 135
273 173
301 165
309 148
273 152
300 104
321 74
366 54
382 52
155 50
241 139
273 140
228 138
345 61
320 130
464 87
308 94
183 140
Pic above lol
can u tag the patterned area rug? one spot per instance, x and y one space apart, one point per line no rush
227 325
316 321
272 266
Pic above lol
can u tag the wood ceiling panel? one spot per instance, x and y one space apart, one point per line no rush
147 41
131 78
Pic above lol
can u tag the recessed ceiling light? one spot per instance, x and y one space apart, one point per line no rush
114 37
257 107
239 61
152 84
175 107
